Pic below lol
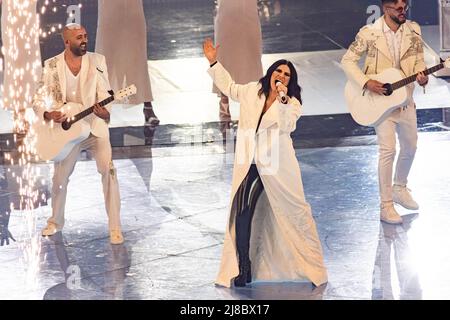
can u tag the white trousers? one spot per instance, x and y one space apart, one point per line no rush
102 153
402 121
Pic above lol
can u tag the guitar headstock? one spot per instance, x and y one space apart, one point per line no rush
447 63
125 92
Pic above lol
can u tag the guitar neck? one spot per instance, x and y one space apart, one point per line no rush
411 79
88 111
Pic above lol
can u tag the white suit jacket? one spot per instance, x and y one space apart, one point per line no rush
371 42
94 87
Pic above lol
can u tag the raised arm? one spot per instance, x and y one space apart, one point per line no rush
220 75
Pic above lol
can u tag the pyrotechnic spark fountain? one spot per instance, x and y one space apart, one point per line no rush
22 68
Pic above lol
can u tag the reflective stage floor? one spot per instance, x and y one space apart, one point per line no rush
174 208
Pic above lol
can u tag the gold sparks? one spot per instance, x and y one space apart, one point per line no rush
52 28
22 61
21 32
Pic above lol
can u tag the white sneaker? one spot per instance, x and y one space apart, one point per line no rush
49 230
388 214
402 196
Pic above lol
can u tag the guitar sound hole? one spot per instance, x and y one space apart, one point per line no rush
66 125
388 88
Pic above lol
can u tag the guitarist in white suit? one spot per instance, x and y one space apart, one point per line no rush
392 41
78 76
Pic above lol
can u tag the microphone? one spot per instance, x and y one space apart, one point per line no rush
281 94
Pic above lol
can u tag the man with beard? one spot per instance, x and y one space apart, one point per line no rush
79 77
392 41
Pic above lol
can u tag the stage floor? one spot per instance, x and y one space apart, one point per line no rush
174 209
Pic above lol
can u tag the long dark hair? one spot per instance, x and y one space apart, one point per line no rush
294 90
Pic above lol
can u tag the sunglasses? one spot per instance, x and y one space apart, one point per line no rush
400 9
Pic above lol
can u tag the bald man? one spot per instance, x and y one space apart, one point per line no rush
79 77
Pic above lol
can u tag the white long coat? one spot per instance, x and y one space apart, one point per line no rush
285 245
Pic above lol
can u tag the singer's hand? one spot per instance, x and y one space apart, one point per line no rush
210 51
281 88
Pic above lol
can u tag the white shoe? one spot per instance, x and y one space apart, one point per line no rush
402 196
116 237
50 229
388 214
